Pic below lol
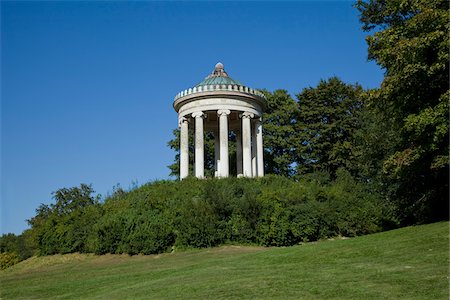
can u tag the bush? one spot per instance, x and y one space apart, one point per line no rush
133 232
271 211
197 225
8 259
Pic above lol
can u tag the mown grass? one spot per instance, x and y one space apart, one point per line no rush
408 263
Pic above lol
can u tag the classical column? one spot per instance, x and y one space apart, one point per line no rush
184 147
259 148
223 136
238 153
246 144
254 165
199 145
216 153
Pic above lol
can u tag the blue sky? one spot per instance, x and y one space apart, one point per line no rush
87 87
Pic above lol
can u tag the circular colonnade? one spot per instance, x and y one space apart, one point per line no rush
219 105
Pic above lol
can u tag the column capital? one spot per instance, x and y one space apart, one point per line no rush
182 120
246 114
222 112
198 114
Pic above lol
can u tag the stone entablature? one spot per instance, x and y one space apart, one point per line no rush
221 108
219 87
216 101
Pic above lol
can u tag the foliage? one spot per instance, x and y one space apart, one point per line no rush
158 216
279 133
21 244
8 259
65 226
299 213
410 41
327 119
133 232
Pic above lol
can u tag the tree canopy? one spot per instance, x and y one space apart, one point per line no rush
411 44
279 133
327 119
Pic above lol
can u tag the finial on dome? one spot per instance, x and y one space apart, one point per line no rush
219 65
218 71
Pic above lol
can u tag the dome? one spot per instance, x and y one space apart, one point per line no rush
218 80
218 76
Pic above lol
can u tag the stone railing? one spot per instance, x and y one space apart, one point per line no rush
219 87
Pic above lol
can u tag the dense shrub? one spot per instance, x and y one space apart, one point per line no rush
133 232
197 224
8 259
271 211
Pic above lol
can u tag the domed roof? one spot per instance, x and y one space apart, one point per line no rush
218 76
218 82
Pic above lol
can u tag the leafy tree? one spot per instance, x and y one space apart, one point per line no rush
279 133
65 226
410 42
8 243
69 200
327 120
21 244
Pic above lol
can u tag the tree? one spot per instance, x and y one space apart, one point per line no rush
328 117
279 133
65 226
20 244
410 42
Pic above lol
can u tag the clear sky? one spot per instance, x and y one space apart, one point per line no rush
87 87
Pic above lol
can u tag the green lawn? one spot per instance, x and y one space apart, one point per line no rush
408 263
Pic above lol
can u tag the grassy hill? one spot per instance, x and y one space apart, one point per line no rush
408 263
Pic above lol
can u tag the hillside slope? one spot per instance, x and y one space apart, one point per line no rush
407 263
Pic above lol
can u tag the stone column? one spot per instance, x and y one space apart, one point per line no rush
184 147
259 148
238 153
199 145
216 153
223 136
254 163
246 144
